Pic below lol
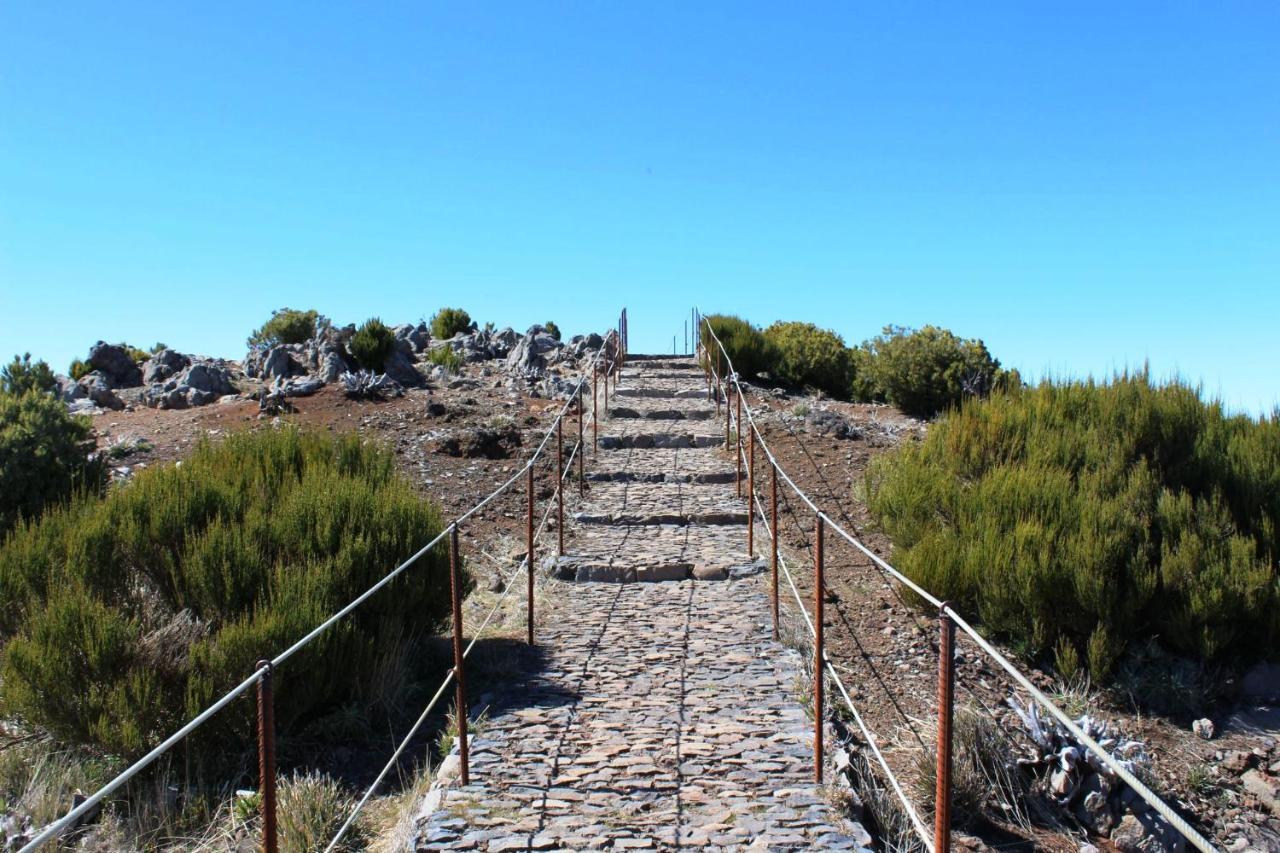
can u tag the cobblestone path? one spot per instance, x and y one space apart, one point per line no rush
664 715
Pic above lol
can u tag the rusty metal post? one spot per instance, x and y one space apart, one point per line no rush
595 413
459 673
528 533
751 493
727 415
267 757
773 530
819 671
946 688
737 456
582 449
560 487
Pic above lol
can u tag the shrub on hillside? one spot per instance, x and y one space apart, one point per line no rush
448 322
371 344
137 354
155 600
744 343
44 454
286 326
79 369
804 355
1096 515
446 357
20 376
552 329
927 370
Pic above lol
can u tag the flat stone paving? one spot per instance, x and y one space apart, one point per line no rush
664 715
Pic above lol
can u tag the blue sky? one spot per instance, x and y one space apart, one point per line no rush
1083 185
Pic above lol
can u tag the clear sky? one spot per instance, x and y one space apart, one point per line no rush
1082 185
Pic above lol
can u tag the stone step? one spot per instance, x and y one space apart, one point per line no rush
660 439
649 519
625 412
655 570
705 478
684 375
663 393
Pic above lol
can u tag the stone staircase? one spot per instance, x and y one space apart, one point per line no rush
663 714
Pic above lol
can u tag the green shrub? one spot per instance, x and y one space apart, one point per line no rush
371 344
1103 514
312 807
925 371
79 369
447 358
44 455
805 355
156 599
21 376
448 322
745 344
138 354
158 348
863 385
286 326
552 329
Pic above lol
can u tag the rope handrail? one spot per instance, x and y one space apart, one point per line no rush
1151 798
70 818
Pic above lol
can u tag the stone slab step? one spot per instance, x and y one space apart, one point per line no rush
625 412
663 393
707 478
646 519
660 439
593 570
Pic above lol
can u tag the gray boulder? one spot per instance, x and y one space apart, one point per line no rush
399 366
162 365
208 377
529 357
418 337
115 365
68 390
97 388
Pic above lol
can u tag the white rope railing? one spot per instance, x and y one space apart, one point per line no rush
1152 799
72 817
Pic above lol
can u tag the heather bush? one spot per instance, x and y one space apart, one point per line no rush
44 454
79 369
371 344
446 357
924 371
1095 515
156 599
286 326
552 329
744 343
21 375
448 322
804 355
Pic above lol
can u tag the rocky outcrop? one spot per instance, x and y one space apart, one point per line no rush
115 365
97 387
198 384
163 365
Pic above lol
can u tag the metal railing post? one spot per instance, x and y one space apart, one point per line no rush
267 756
595 413
773 537
751 493
582 449
560 487
819 671
528 535
459 673
727 416
737 456
946 699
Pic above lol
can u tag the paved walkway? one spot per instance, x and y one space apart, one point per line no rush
665 716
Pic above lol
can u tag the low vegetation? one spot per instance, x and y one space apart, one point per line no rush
155 600
744 343
552 329
446 357
1081 519
371 344
286 326
804 355
448 322
45 453
21 375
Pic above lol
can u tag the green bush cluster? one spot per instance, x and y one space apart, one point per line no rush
552 329
448 322
802 354
153 601
744 343
371 344
21 375
1095 516
446 357
79 369
286 326
923 371
45 453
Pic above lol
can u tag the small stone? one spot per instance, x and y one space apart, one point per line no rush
1204 728
1237 761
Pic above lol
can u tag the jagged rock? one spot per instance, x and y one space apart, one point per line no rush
399 366
198 385
1146 834
528 357
1237 761
97 387
162 365
68 389
824 422
114 363
417 337
278 363
1265 788
303 386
